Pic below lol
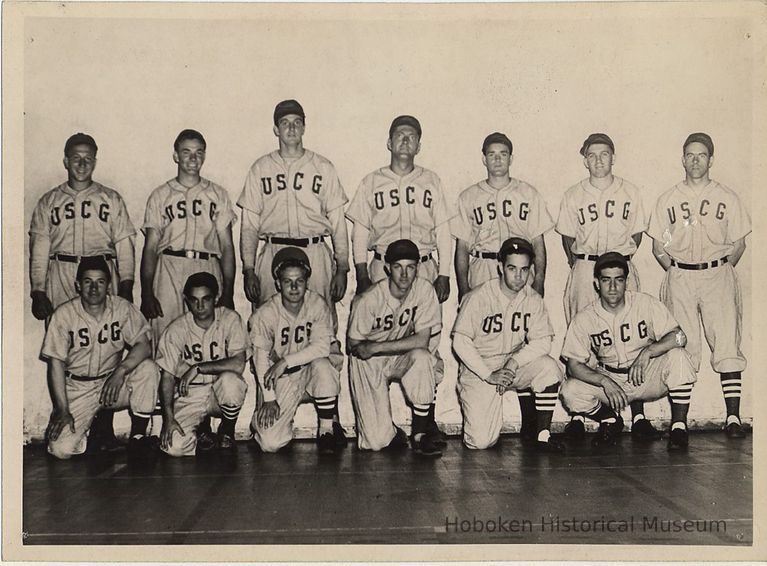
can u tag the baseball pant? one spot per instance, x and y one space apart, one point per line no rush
669 371
60 281
202 400
580 291
320 378
320 259
169 280
419 371
139 393
427 270
482 406
713 297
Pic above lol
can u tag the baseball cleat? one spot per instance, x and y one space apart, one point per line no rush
528 433
575 430
399 442
227 444
608 434
735 430
440 438
643 430
339 437
678 439
553 446
326 443
426 446
143 449
206 443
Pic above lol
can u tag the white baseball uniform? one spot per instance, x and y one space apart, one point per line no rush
378 317
600 221
183 344
91 349
307 343
501 328
67 225
700 227
487 217
616 340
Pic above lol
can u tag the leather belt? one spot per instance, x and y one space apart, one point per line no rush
84 377
300 242
424 258
611 369
485 255
79 258
189 254
699 266
294 369
595 257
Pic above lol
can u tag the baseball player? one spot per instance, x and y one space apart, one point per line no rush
84 346
492 211
600 214
502 336
80 218
187 230
402 200
640 352
293 197
202 355
297 357
393 334
699 228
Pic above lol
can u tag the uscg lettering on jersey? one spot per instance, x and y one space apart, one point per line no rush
110 331
86 210
704 209
609 211
182 208
280 182
194 352
392 198
407 316
493 324
300 333
507 211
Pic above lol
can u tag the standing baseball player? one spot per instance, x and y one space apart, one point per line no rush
597 215
400 201
502 336
297 357
494 210
78 219
699 228
393 334
293 197
640 352
202 355
187 230
84 346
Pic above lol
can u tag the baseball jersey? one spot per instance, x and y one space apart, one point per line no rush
184 343
394 208
698 226
487 216
602 221
379 317
92 347
617 339
189 219
292 198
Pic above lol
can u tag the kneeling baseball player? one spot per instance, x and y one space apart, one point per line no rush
296 356
202 355
84 347
502 336
640 352
393 334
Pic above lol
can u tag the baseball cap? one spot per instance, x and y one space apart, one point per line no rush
93 263
79 139
290 257
287 107
401 249
497 137
516 246
201 279
610 259
405 120
597 138
700 137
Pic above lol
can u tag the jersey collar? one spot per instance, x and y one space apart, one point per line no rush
591 189
485 186
201 186
70 191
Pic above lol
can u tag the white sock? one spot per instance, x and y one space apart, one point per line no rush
678 425
544 436
733 419
610 420
638 417
579 418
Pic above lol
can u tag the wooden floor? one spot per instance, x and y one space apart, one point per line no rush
360 497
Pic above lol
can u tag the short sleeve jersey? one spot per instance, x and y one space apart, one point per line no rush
92 347
617 339
379 317
602 221
394 208
184 343
487 216
699 226
87 222
292 198
275 330
189 219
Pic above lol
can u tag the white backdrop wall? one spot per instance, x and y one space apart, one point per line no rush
546 79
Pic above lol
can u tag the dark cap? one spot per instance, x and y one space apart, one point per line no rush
189 134
93 263
201 279
79 139
401 249
700 137
287 107
497 137
516 246
610 259
405 121
597 138
290 257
